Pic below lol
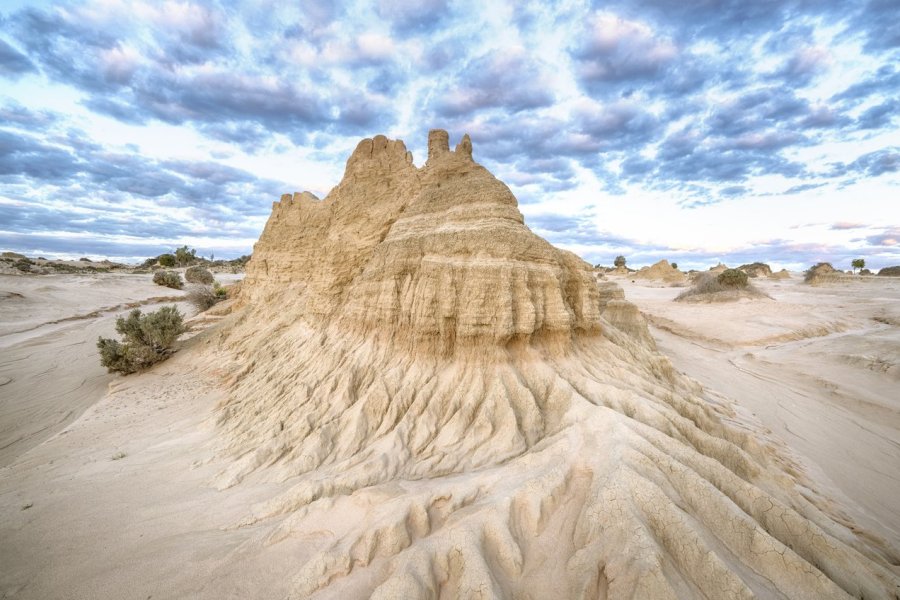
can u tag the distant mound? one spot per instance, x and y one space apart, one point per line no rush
823 272
890 271
709 287
462 410
661 271
718 268
756 269
782 274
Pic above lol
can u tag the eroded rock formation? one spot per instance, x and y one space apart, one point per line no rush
463 411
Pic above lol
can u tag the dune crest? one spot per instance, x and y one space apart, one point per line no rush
462 410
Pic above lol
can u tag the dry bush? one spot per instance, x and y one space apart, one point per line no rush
204 297
708 287
169 279
198 275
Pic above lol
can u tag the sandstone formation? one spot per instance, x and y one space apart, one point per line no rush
782 274
463 411
756 269
661 271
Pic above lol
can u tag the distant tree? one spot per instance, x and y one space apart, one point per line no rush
674 265
858 263
620 261
185 256
166 260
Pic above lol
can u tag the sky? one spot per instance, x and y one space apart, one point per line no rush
699 131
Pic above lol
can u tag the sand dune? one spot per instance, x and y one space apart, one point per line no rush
416 397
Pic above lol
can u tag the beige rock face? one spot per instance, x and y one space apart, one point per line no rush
661 271
463 411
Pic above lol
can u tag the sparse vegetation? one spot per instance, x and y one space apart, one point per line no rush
169 279
732 278
24 265
710 287
890 271
147 340
817 271
166 260
619 261
185 256
858 263
756 269
198 275
204 297
674 265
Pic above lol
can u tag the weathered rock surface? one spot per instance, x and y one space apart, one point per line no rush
661 271
463 411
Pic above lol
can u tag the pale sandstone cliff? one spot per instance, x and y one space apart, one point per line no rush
463 411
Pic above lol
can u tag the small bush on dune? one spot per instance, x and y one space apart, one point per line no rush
147 340
198 275
204 297
166 260
890 271
169 279
712 287
732 278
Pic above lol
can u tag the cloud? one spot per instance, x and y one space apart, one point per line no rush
617 50
509 80
12 62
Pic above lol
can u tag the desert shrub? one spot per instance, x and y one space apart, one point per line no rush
674 265
23 265
169 279
84 259
708 287
619 261
198 275
146 340
204 297
166 260
185 256
733 278
890 271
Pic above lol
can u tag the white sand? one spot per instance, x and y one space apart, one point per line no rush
416 398
819 366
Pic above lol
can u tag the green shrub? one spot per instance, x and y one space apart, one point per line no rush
619 261
169 279
185 256
166 260
674 265
147 340
198 275
732 278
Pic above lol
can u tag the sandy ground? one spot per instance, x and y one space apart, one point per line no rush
49 370
819 366
107 493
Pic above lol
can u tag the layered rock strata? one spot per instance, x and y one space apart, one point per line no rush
461 410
